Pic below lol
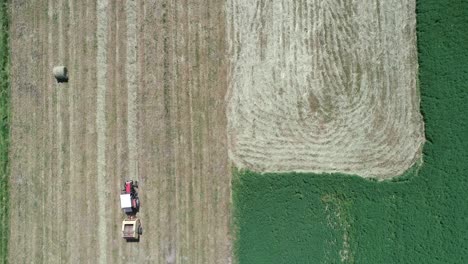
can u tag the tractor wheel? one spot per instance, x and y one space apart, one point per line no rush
135 184
140 230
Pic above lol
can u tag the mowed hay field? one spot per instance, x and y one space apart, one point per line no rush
145 101
324 86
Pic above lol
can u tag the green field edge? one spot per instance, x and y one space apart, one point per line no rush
4 129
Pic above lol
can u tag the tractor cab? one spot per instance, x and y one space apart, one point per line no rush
129 201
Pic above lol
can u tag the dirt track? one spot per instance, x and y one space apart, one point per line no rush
154 113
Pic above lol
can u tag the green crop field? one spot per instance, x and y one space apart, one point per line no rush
4 130
420 217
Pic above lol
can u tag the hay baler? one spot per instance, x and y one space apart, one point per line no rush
130 204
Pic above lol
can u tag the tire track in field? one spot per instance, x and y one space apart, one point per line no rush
116 153
72 62
82 86
88 244
74 249
131 73
324 86
101 62
60 229
47 197
49 246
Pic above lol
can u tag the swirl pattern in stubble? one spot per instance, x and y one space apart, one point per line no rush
324 86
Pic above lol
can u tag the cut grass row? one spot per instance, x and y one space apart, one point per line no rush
4 129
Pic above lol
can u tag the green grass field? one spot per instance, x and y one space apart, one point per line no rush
421 217
4 131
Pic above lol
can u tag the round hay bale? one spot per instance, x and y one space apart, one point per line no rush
61 73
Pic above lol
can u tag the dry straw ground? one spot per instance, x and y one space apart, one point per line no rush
144 101
324 86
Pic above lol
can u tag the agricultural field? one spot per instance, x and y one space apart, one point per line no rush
145 101
324 86
263 131
420 217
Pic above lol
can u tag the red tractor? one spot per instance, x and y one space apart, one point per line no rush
129 201
130 204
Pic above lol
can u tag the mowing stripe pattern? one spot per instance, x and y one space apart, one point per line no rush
131 73
145 100
102 24
324 86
